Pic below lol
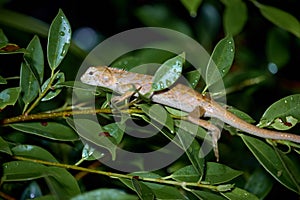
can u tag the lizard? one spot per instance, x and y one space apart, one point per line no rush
181 97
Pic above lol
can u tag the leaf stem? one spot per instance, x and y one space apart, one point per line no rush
41 116
118 176
34 104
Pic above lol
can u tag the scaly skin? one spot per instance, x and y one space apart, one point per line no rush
180 97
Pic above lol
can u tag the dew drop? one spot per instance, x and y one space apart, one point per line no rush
61 33
168 82
65 48
161 84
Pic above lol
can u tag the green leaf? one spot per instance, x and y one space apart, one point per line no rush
161 191
191 128
35 58
259 183
235 16
283 108
244 116
59 39
3 39
285 124
278 164
59 180
33 190
29 85
206 195
280 18
32 151
50 130
89 153
192 6
168 73
218 173
115 130
9 96
2 80
159 114
186 174
193 77
4 147
107 194
220 61
60 77
22 171
144 192
93 133
192 150
158 15
238 193
277 47
62 183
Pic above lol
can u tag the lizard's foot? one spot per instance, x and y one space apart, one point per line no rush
213 131
118 99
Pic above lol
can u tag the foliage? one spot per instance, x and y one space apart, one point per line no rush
41 148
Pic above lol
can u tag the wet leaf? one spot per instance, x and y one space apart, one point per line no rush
9 97
50 130
168 73
193 77
285 124
285 107
220 61
59 39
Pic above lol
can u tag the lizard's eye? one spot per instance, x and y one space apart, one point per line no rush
91 73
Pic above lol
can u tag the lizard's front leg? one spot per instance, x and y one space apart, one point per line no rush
213 130
126 91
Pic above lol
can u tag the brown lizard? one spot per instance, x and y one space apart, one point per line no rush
180 97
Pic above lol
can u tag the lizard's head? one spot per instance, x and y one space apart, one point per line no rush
99 76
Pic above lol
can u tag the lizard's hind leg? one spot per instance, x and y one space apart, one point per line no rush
213 130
